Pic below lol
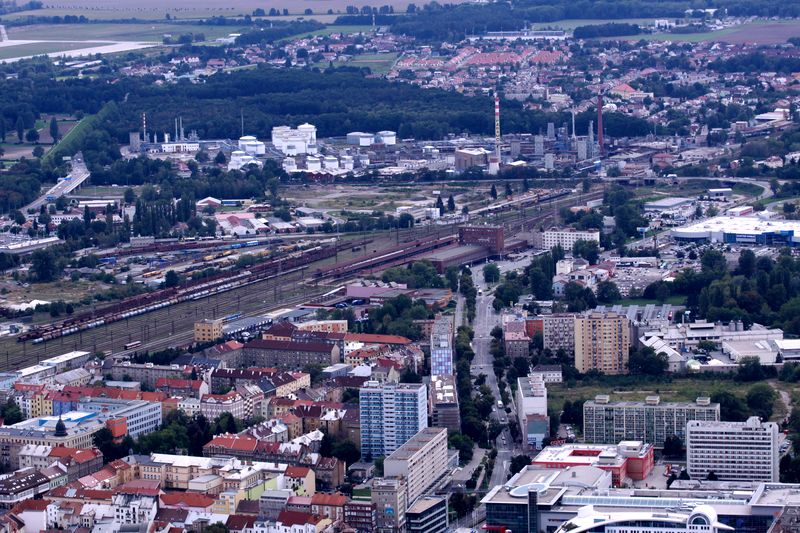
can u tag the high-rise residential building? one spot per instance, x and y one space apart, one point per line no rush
391 414
531 398
650 421
390 498
602 343
422 460
442 346
567 237
558 332
733 451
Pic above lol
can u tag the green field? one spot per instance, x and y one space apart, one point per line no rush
378 63
571 24
759 31
672 300
116 32
32 49
328 31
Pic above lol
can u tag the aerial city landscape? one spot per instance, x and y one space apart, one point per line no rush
325 266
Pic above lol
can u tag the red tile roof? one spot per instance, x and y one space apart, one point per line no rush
295 518
296 471
237 522
233 442
335 500
187 499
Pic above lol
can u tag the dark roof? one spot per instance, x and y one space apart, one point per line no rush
288 346
283 328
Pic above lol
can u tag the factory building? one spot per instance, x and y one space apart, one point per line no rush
741 230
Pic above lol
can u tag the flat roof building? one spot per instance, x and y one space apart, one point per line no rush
391 414
626 460
442 346
650 421
427 515
741 230
602 343
733 451
531 398
422 460
443 403
567 237
207 330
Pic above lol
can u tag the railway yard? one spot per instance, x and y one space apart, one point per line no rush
284 272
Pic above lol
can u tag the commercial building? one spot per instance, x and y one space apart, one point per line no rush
702 519
422 460
531 399
602 343
626 460
650 421
427 515
684 337
443 403
207 330
733 451
139 416
539 499
558 332
390 414
567 237
549 373
491 237
442 346
390 498
741 230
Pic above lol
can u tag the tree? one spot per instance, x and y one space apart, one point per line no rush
219 527
220 158
509 190
462 503
712 476
129 196
684 475
45 265
607 292
38 152
32 136
645 361
491 273
761 400
673 447
588 250
731 407
54 133
171 279
3 131
440 205
750 369
493 192
11 413
519 462
451 203
20 127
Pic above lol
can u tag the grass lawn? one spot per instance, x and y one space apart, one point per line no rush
672 300
328 31
637 388
116 32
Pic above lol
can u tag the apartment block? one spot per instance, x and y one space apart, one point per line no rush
390 498
602 343
443 403
733 451
422 460
558 332
567 237
207 330
391 414
427 515
650 421
531 399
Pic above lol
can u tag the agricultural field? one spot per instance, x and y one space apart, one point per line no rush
330 30
47 47
571 24
183 9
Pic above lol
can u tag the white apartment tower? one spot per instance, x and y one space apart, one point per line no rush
734 451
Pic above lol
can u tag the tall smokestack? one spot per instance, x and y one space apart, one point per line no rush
177 137
144 126
600 123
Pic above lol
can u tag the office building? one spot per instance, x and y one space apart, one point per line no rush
733 451
137 417
650 421
390 414
558 332
567 237
531 399
442 346
422 461
427 515
389 495
627 460
443 403
207 330
602 343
